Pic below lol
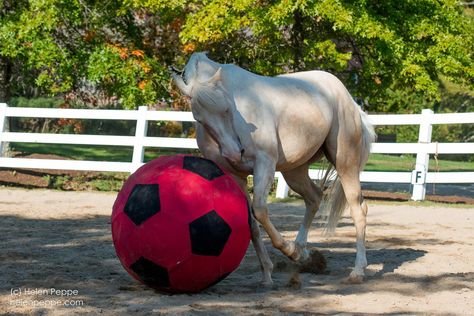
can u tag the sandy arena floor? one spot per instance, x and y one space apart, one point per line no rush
420 262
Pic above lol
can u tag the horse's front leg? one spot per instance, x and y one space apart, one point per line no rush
262 254
264 173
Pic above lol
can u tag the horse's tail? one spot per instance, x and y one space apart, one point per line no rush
334 202
368 137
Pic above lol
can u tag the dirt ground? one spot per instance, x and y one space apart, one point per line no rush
420 262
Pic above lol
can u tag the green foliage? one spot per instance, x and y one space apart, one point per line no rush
386 52
127 74
73 45
36 102
378 48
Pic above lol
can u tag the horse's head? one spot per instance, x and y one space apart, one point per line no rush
212 103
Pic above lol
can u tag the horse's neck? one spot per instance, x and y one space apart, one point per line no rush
207 69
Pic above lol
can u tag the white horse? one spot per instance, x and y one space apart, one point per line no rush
257 125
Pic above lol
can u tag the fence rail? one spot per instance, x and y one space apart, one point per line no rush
418 177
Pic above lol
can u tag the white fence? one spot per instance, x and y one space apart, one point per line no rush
418 177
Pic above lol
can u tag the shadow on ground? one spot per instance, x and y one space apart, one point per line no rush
79 254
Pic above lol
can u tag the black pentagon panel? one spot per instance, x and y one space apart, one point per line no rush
209 234
204 167
150 273
143 202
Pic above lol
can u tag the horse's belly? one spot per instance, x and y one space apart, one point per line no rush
303 125
298 145
292 157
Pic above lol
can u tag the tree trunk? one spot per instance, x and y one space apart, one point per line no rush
297 38
5 77
5 94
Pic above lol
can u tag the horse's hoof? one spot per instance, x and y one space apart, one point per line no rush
292 250
266 286
315 263
354 278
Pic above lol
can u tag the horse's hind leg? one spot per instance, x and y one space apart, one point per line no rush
352 190
300 182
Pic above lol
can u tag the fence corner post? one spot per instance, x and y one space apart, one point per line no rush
140 134
3 121
282 187
418 178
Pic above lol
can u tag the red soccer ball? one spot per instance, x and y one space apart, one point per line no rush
180 224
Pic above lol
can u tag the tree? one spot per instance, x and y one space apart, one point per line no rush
118 52
375 47
90 49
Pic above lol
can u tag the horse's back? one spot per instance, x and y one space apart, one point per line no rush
327 83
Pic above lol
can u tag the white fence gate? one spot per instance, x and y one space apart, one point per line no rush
418 177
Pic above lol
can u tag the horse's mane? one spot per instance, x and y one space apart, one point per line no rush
193 68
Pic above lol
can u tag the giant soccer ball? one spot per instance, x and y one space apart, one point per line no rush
180 224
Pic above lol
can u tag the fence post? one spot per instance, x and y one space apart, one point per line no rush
282 187
418 176
140 134
3 119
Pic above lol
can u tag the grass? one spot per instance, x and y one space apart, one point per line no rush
406 163
377 162
91 152
381 162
